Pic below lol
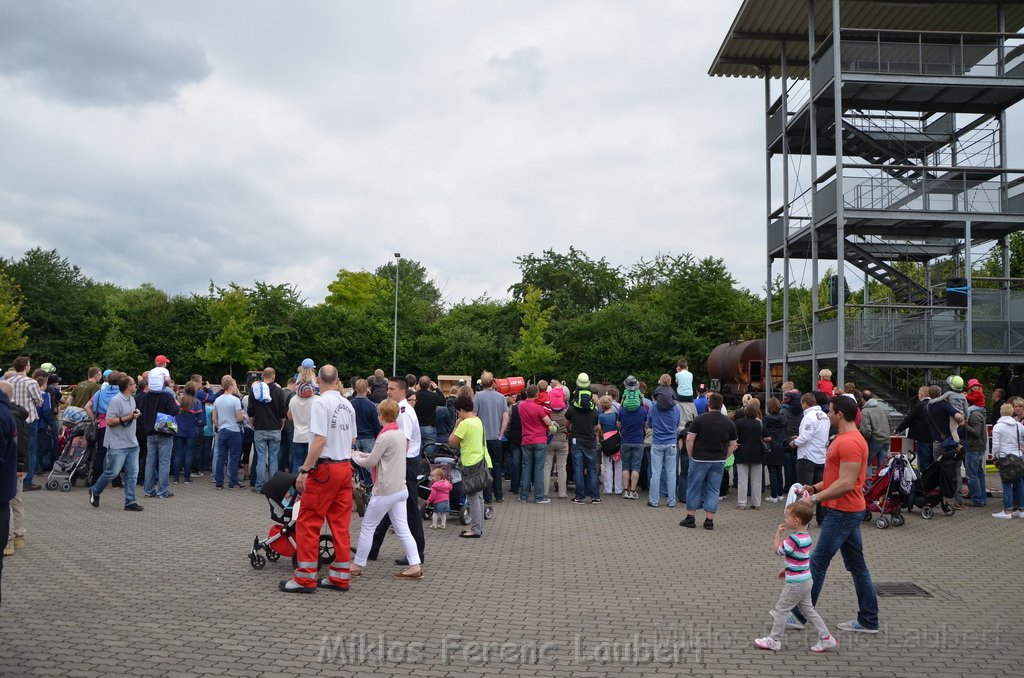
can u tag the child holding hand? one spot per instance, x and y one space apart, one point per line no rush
796 550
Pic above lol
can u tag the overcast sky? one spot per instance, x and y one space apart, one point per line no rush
179 142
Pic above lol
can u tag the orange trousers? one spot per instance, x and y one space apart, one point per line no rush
328 495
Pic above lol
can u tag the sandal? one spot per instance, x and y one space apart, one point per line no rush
418 574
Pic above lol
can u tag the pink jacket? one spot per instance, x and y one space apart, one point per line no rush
439 491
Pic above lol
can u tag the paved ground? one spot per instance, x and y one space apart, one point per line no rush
607 590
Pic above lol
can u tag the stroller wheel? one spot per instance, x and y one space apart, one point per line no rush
927 513
257 561
464 515
488 512
326 549
426 512
882 522
52 484
272 555
65 486
898 520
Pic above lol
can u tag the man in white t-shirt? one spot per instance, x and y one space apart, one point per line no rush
159 376
410 426
328 493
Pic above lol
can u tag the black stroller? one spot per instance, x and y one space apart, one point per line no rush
75 459
284 502
939 481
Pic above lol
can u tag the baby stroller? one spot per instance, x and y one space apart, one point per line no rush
443 457
939 481
888 490
284 502
75 458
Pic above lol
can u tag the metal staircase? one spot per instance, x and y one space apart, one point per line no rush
905 289
864 379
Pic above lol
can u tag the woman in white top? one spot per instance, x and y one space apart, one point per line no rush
389 492
1007 438
299 408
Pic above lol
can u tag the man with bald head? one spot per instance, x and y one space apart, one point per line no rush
325 481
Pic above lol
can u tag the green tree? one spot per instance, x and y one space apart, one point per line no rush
535 355
356 290
12 327
234 341
571 283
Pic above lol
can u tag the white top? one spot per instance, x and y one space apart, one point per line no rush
332 417
158 376
1007 436
410 426
300 408
813 438
684 383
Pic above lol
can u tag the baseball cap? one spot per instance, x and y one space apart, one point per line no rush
162 360
106 373
307 364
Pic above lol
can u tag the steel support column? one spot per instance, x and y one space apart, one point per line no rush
837 93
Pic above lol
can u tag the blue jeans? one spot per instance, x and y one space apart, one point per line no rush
925 458
299 452
840 531
663 456
267 445
428 438
228 453
704 485
584 471
775 479
878 452
533 471
181 454
789 469
517 456
1013 495
33 447
158 452
497 488
206 454
974 462
116 459
365 445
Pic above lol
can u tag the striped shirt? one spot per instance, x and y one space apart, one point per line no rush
27 394
796 549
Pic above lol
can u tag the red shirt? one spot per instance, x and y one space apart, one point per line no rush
531 414
847 447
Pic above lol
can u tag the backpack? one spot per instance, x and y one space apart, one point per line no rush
632 400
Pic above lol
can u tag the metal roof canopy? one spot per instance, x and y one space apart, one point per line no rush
754 41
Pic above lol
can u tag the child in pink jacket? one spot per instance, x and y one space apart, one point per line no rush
440 491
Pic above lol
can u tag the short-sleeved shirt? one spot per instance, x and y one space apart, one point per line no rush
472 447
684 383
714 432
490 406
226 406
632 430
410 425
118 436
796 549
582 423
847 447
83 392
531 416
334 418
158 376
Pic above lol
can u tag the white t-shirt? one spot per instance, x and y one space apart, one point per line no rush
334 418
300 409
410 426
158 376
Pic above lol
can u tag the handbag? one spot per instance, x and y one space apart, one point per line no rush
1011 466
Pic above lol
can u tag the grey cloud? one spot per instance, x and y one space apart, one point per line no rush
521 73
97 54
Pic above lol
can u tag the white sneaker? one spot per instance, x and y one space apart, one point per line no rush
768 643
1018 514
824 644
1002 515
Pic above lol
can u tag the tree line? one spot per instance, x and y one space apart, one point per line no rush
567 314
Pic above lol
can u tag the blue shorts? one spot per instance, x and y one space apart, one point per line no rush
442 507
632 454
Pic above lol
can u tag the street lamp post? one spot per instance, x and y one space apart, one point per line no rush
394 344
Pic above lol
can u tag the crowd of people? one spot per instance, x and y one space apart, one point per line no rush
678 443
